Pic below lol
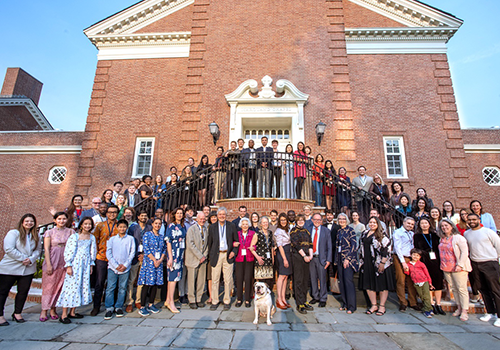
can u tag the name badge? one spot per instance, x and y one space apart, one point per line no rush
140 249
268 255
339 249
432 255
157 255
182 244
243 252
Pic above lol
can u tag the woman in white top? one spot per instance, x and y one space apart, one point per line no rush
22 248
357 226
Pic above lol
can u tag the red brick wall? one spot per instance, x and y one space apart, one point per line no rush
481 136
13 118
361 17
25 187
179 21
19 82
403 95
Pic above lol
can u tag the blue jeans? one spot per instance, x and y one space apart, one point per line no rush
317 189
113 280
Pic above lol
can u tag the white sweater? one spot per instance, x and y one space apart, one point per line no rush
484 244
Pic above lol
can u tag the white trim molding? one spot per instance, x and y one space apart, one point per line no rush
411 13
36 113
401 154
428 40
137 154
482 148
75 149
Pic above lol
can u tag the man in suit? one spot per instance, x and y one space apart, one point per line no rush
132 196
322 258
333 227
265 156
250 169
362 182
94 210
196 260
221 254
242 210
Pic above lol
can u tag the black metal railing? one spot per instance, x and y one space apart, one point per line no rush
255 174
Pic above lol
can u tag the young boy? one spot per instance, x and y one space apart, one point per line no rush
120 252
421 279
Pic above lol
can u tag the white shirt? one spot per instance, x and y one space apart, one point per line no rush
484 244
403 243
120 251
222 236
315 230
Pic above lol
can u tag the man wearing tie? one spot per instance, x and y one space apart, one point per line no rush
322 258
265 156
196 260
221 254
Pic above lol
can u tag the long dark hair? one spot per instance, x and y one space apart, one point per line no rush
71 210
417 209
330 169
400 185
418 230
201 165
379 233
283 215
80 224
32 231
172 219
103 198
452 208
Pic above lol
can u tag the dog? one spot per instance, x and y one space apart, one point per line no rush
263 303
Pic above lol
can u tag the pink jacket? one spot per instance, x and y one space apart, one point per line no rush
245 245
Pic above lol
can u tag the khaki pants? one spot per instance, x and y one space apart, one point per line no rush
458 284
227 269
424 294
134 271
196 278
403 279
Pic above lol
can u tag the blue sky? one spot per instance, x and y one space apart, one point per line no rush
46 39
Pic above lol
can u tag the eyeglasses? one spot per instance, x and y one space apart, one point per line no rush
112 212
96 202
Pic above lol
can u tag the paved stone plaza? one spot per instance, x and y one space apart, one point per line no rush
326 328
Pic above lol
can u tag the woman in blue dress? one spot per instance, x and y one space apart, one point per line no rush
175 237
151 274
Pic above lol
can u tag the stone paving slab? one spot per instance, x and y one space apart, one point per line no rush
317 341
444 328
152 322
473 341
197 314
423 341
88 333
234 316
115 347
357 328
81 346
124 321
236 325
32 345
255 340
355 318
204 338
482 328
207 324
311 327
262 326
325 317
399 328
130 335
296 317
399 318
165 337
370 341
35 331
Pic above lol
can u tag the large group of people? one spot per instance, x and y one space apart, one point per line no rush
127 254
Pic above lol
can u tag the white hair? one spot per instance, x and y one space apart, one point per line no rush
345 216
244 219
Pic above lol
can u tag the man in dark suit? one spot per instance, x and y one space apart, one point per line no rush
221 253
242 210
133 197
322 258
250 168
265 156
331 225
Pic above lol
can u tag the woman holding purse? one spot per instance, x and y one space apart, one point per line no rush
262 249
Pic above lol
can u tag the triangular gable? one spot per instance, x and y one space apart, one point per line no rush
178 21
411 13
136 17
356 16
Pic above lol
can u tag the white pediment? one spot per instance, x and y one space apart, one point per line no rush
249 92
411 13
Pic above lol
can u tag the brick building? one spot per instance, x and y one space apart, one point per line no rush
374 71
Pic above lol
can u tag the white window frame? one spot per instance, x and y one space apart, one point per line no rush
51 172
136 155
404 169
490 167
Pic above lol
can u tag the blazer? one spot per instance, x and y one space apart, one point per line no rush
357 182
333 234
15 253
461 250
137 197
213 242
265 155
324 244
247 244
195 248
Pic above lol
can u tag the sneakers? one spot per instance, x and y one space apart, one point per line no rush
143 312
308 307
497 322
109 315
153 309
301 309
427 314
119 313
487 317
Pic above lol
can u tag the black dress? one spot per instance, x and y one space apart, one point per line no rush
264 249
425 242
368 279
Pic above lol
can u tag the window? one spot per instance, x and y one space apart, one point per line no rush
143 159
57 175
395 156
491 175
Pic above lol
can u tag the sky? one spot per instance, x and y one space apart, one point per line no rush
46 39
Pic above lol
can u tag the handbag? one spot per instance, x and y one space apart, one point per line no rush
334 285
263 272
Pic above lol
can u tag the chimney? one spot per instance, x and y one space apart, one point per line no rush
18 82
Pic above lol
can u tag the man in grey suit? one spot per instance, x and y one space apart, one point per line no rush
322 258
363 183
196 260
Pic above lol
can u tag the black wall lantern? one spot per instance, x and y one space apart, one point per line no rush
214 130
320 131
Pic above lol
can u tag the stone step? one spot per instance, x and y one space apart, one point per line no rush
34 295
474 308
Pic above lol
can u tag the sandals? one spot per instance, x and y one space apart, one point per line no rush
457 313
464 317
370 311
380 313
238 303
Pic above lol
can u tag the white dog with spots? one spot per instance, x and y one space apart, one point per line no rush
263 303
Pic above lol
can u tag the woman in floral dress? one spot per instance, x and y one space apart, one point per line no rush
79 255
53 270
175 237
